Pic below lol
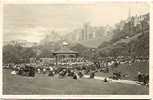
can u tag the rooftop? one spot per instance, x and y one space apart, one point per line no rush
65 50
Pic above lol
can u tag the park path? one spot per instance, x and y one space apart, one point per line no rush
111 80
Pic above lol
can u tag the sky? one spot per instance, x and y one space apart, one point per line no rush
32 22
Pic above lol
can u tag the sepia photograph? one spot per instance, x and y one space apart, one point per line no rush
76 49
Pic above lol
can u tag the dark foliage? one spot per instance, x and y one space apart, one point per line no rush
17 54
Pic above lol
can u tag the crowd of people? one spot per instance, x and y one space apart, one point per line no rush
31 70
143 78
78 70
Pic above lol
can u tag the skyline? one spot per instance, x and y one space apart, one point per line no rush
33 21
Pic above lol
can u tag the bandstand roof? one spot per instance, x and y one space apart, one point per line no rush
65 51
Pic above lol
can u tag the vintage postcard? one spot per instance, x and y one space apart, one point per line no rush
76 49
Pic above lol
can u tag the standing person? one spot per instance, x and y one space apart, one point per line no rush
140 77
31 71
14 67
146 79
44 70
80 74
92 74
38 70
72 73
119 75
105 79
21 71
75 76
51 73
115 64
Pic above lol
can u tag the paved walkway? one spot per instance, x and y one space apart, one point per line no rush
111 80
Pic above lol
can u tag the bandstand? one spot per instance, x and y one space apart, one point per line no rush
64 55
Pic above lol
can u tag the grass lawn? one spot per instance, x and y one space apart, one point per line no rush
131 70
19 85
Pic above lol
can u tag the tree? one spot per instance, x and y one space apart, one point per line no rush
17 53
